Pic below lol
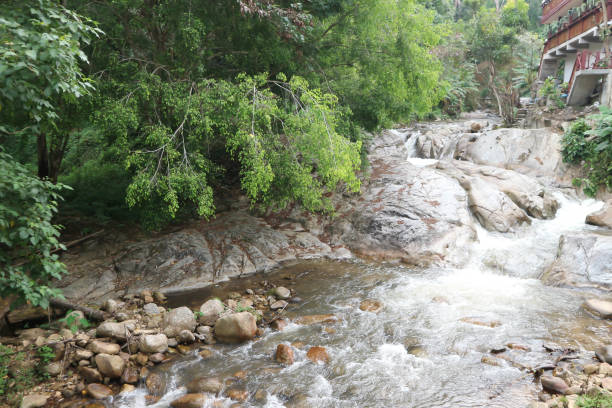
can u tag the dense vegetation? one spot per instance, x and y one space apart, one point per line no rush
151 110
592 147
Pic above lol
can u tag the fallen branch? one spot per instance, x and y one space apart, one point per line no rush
93 314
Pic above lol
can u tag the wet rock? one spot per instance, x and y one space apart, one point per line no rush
153 343
189 401
206 334
603 217
583 259
315 319
600 307
281 292
371 305
206 353
111 366
90 375
590 369
237 394
515 346
211 310
99 391
604 354
318 354
554 385
284 354
240 375
470 320
156 358
156 385
261 396
177 320
151 309
490 361
205 384
186 337
279 324
142 358
100 347
130 375
127 388
34 401
236 328
279 304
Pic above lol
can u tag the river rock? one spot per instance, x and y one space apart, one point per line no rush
177 320
186 337
279 304
153 343
34 401
284 354
156 385
54 368
151 309
205 384
111 306
237 394
602 308
81 354
206 334
130 375
281 292
554 385
604 354
101 347
90 375
371 305
318 354
126 388
189 401
211 310
118 331
111 366
603 217
99 391
583 260
236 327
316 319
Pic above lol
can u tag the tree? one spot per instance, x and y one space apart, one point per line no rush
40 56
28 237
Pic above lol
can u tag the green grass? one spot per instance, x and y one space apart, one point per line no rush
599 401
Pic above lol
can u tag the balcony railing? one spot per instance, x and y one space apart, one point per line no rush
550 7
586 60
575 23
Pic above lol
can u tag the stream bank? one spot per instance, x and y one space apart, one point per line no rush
454 228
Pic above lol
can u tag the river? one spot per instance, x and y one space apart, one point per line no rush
425 348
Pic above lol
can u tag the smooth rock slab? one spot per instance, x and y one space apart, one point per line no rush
601 307
554 385
601 218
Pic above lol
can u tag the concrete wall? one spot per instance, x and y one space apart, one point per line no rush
570 59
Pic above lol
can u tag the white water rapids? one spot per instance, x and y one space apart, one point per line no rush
419 352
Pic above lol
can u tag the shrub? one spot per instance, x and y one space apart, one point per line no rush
574 146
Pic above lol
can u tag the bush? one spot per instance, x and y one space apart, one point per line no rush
598 401
594 146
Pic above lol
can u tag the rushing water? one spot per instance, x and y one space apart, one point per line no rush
418 352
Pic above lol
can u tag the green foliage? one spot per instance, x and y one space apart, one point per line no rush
551 91
45 355
39 62
598 401
4 366
594 146
574 146
515 14
21 370
27 234
73 321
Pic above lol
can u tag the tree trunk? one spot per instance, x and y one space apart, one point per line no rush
43 157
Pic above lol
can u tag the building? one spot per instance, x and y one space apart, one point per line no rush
575 42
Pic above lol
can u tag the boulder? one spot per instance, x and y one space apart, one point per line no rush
118 331
80 354
101 347
111 366
185 337
284 354
604 354
210 311
236 327
603 217
90 375
318 354
602 308
34 401
151 309
189 401
281 292
210 385
177 320
206 334
153 343
554 385
99 391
